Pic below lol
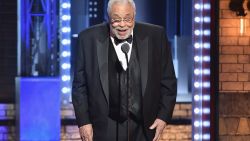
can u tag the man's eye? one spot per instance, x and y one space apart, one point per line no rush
116 20
127 19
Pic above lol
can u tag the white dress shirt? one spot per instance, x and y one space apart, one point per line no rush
121 56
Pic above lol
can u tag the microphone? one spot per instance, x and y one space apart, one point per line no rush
125 48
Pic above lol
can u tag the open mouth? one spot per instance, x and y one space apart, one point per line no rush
122 31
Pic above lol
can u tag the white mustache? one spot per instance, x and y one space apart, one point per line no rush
121 28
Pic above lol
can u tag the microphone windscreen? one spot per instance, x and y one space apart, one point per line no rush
125 48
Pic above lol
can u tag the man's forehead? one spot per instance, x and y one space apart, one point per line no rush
120 5
122 10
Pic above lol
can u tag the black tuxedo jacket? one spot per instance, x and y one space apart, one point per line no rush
90 90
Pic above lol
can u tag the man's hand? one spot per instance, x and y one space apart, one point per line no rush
159 125
86 132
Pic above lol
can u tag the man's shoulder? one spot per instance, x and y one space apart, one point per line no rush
147 29
148 26
94 30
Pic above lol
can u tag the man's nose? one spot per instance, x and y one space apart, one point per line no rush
122 23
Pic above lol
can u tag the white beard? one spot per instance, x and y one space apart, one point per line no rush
115 32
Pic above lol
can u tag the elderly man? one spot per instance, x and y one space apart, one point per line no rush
116 101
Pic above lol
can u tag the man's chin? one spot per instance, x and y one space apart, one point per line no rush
122 36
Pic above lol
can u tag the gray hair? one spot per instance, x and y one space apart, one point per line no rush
111 2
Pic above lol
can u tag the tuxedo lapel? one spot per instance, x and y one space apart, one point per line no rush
142 44
102 54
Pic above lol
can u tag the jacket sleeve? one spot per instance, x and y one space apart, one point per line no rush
79 86
168 81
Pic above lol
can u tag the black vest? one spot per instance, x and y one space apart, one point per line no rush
118 86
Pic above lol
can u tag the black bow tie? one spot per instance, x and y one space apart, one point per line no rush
118 41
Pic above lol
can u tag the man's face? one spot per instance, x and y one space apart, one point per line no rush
121 20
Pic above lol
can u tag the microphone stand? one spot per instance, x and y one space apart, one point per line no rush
125 49
127 74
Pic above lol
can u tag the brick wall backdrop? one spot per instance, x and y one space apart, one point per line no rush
234 85
234 52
